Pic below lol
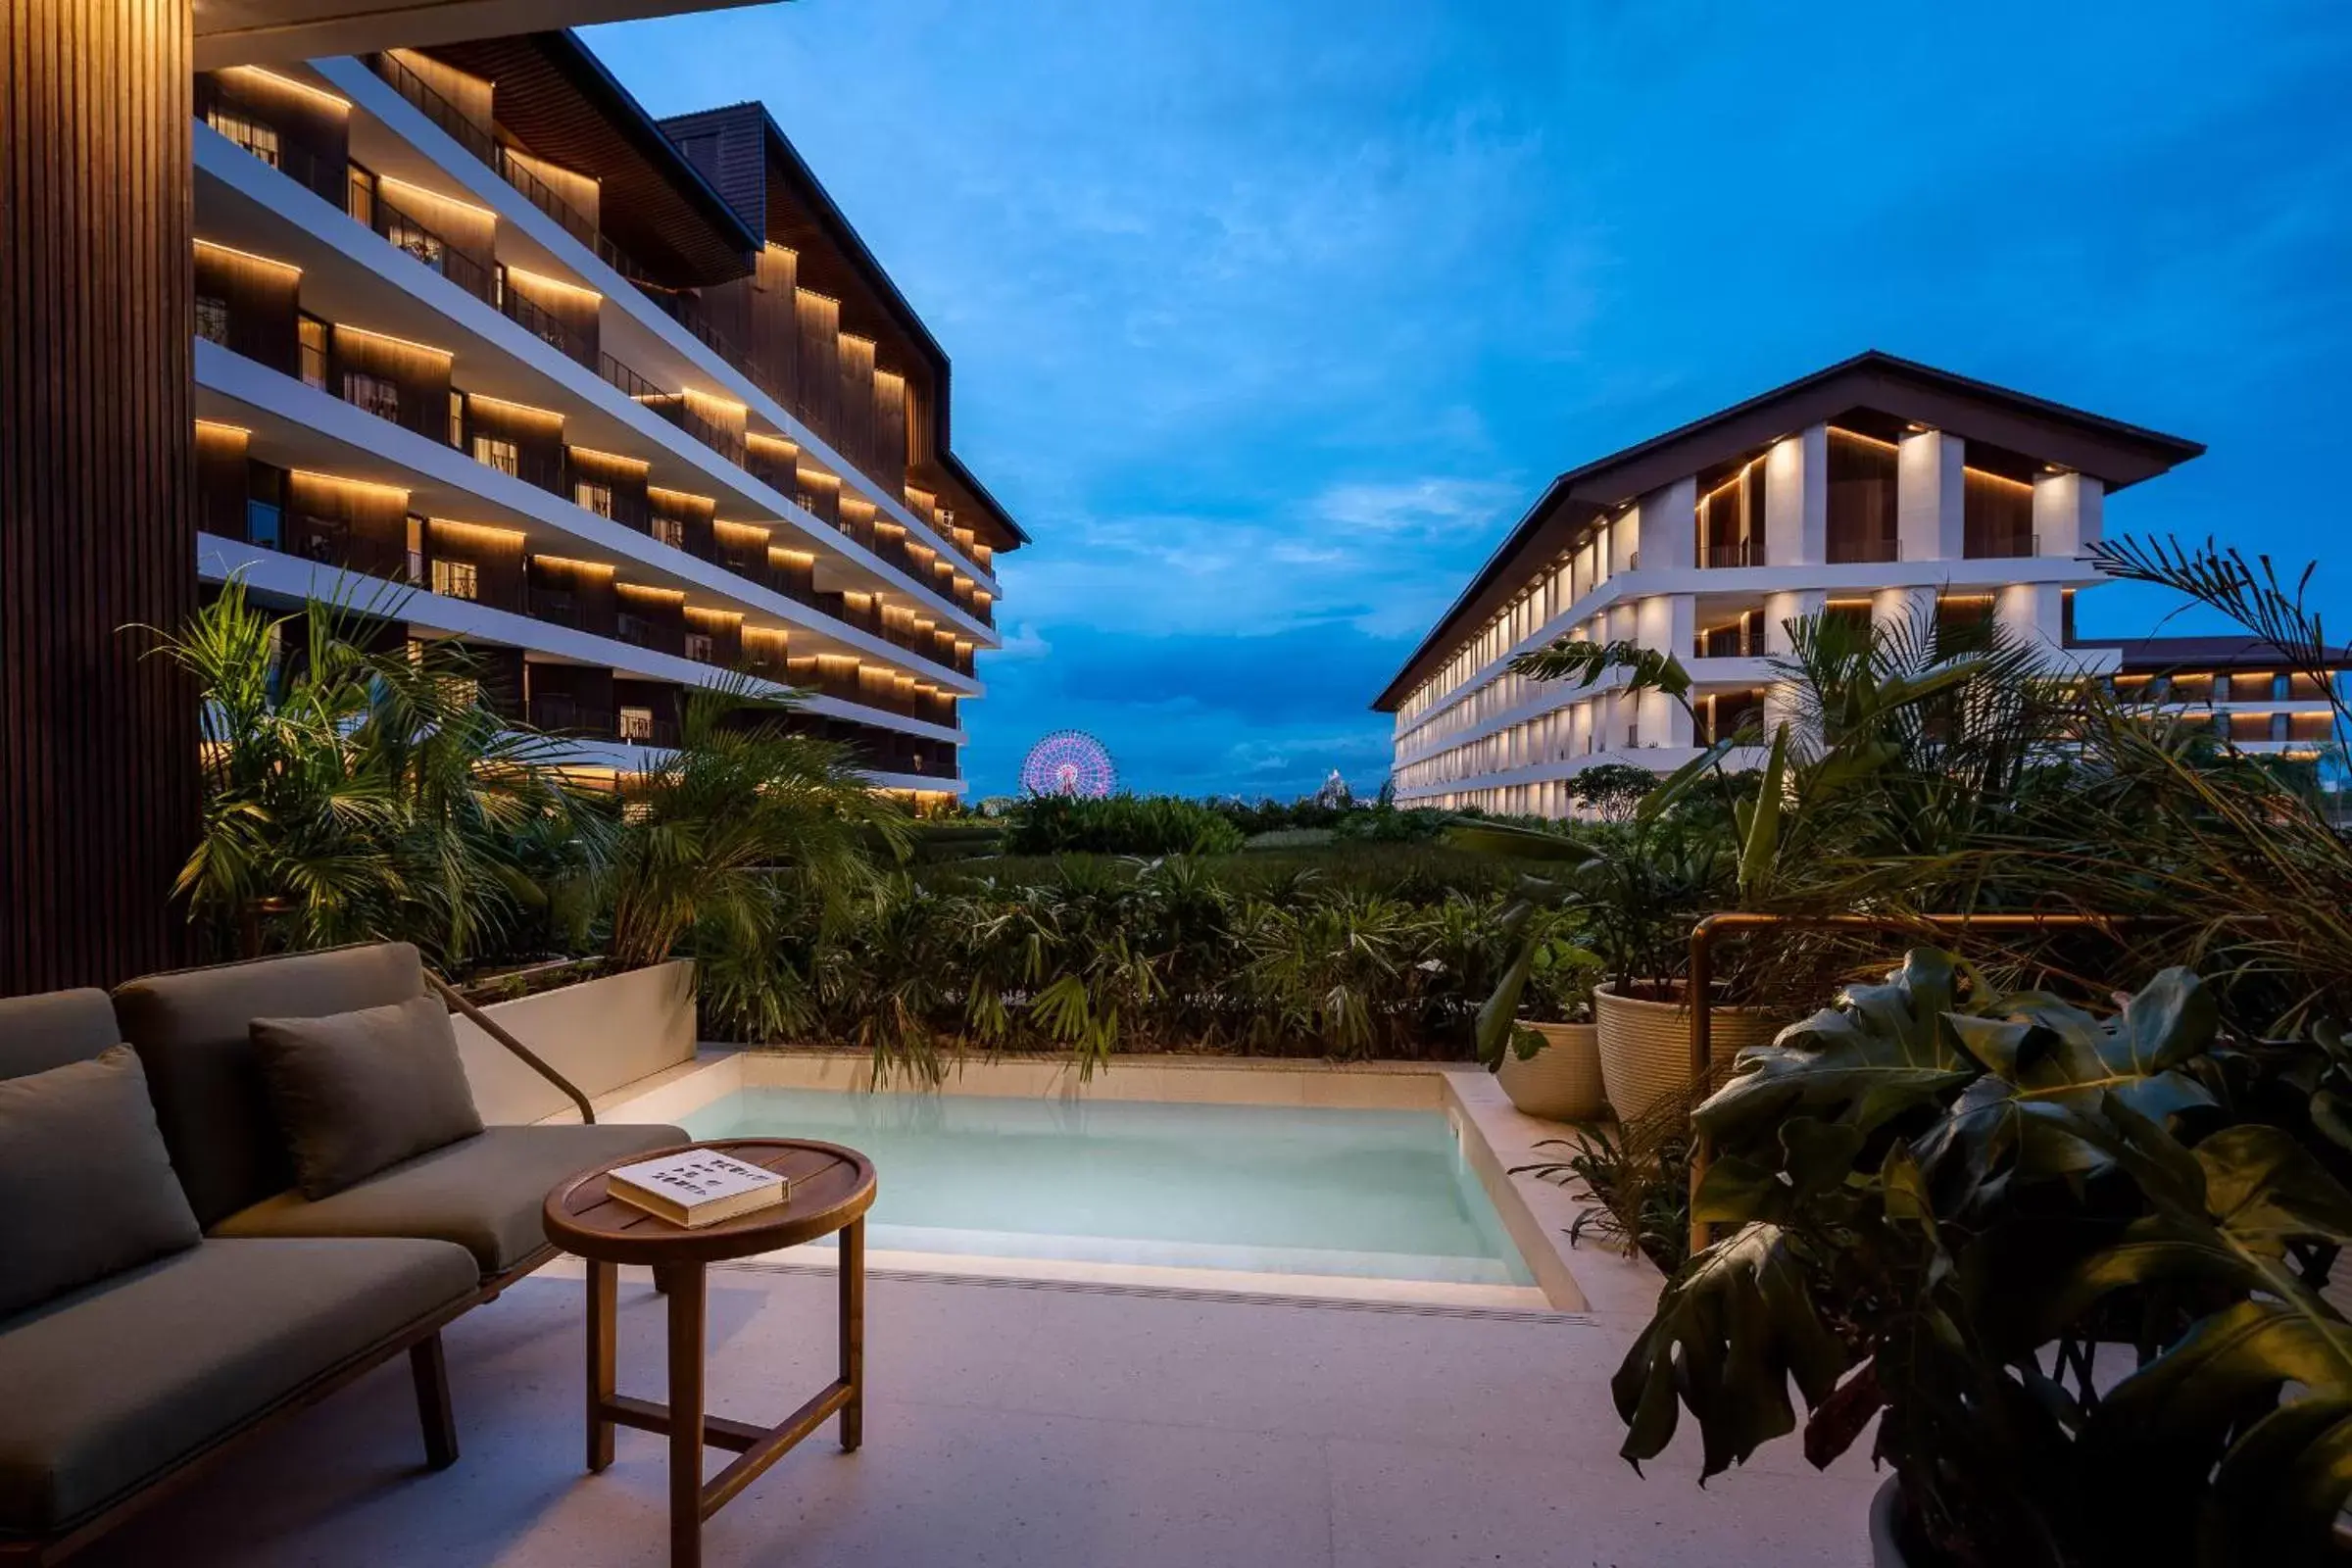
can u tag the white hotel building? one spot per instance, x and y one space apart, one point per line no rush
1875 488
625 407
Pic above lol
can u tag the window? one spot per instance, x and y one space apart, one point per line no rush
457 421
455 580
416 549
596 498
700 647
374 393
262 519
212 319
419 241
359 194
497 453
251 134
636 723
314 352
669 531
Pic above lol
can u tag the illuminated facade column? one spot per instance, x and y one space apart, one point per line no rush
1930 497
2068 511
1797 499
1668 624
1780 610
98 751
1892 609
2033 613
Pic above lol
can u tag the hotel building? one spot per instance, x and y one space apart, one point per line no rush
1875 488
623 406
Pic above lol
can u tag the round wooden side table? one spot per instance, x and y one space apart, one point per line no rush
832 1189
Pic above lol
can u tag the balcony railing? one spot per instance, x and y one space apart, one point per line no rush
1846 549
416 238
2004 546
1743 553
252 129
549 329
564 716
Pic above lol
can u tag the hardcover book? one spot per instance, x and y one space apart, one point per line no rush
700 1186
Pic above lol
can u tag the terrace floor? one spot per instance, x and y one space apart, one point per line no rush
1031 1424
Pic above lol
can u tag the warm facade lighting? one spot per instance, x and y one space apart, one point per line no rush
248 256
342 105
547 417
363 486
432 195
681 498
565 562
675 596
1997 478
222 431
615 457
743 532
482 531
404 342
557 284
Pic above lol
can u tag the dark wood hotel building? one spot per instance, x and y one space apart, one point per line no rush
626 405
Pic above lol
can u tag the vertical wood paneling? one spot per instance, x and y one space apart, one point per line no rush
98 757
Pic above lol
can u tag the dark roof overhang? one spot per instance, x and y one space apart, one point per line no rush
560 103
2112 452
2152 656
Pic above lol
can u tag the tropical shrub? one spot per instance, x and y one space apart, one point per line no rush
352 793
2046 1255
748 848
1117 824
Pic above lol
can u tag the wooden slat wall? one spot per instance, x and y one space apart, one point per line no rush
98 746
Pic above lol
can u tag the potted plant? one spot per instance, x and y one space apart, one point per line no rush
2045 1254
1551 1066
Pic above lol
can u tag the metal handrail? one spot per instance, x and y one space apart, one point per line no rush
1702 983
529 1058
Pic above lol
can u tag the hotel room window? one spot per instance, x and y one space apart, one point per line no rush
455 580
491 452
596 498
374 393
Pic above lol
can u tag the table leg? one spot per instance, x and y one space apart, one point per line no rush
603 1302
853 1332
684 1282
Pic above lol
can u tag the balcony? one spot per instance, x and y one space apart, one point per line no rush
579 347
413 237
565 715
1740 553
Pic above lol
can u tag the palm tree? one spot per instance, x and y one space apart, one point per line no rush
352 793
745 848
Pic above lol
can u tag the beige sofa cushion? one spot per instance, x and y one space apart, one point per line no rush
356 1092
110 1386
192 1028
486 1193
87 1189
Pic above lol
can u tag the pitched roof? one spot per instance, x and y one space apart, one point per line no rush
2108 450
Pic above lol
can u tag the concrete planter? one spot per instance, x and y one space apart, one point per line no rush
1646 1046
1560 1082
601 1034
1886 1510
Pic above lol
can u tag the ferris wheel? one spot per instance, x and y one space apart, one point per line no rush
1069 761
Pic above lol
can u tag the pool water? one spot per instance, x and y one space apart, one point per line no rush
1271 1188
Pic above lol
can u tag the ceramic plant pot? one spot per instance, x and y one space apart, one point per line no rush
1560 1082
1646 1046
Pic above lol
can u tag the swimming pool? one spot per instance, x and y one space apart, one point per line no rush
1263 1189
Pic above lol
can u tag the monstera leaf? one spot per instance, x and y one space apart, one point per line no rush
2221 1221
1884 1050
1726 1339
2051 1070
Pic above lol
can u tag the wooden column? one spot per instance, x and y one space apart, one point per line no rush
98 781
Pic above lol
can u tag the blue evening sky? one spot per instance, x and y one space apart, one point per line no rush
1269 319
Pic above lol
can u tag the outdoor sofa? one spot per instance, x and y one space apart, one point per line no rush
228 1296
